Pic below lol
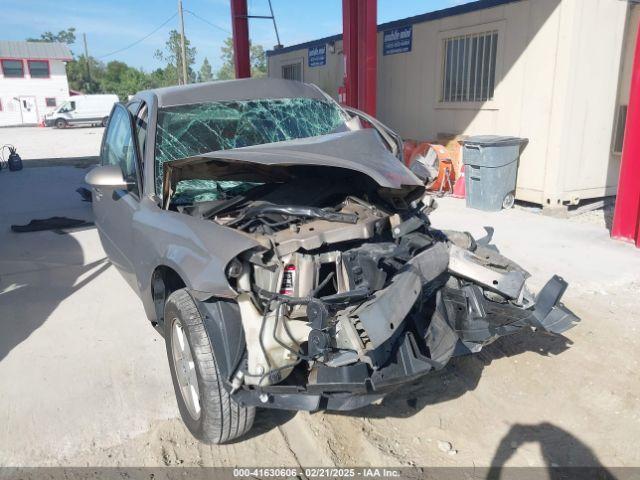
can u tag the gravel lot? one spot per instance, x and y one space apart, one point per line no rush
85 379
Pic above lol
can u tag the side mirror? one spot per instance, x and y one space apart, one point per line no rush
106 176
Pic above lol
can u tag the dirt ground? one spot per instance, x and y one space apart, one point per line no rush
85 380
527 400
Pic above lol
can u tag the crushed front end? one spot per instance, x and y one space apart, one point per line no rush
351 291
344 304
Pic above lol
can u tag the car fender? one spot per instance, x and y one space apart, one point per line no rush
197 250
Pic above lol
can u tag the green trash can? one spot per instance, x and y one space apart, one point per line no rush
491 171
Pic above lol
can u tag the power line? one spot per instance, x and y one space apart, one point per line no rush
207 21
142 39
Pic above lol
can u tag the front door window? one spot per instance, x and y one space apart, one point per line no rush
119 147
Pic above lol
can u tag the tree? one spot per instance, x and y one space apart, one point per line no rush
227 70
123 80
133 81
65 36
205 74
172 56
77 74
158 78
257 59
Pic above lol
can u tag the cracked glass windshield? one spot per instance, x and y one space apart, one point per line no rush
189 130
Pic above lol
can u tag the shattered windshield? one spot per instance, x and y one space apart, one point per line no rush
189 130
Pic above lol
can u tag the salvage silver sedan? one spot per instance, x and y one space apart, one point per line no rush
286 255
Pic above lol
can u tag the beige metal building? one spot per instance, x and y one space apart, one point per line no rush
554 71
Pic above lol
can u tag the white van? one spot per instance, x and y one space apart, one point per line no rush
82 109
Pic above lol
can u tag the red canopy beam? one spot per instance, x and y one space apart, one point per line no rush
626 221
240 29
368 56
359 22
350 49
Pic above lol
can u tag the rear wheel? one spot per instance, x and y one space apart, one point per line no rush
206 407
61 123
104 122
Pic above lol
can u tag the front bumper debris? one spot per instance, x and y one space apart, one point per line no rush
471 323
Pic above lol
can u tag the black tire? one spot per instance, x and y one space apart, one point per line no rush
61 123
221 419
105 121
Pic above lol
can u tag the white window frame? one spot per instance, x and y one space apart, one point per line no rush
444 35
290 62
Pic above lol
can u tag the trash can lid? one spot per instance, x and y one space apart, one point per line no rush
494 141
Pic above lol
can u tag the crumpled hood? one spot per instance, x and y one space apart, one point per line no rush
360 150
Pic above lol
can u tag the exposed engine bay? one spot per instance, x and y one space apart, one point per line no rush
352 285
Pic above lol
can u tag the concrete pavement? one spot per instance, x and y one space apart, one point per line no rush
42 146
84 378
582 253
79 364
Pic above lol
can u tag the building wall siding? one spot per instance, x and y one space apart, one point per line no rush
56 86
327 77
591 43
545 89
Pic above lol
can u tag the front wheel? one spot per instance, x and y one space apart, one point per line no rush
207 409
61 123
105 121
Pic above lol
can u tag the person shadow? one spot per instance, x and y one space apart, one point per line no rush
565 455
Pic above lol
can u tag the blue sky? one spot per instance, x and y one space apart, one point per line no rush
113 24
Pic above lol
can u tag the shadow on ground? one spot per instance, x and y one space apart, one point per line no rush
460 376
32 288
39 271
266 420
565 455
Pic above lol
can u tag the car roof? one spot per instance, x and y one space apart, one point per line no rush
228 90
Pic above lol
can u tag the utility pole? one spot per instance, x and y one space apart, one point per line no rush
182 47
86 57
275 27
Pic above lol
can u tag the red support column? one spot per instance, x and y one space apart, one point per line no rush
350 50
240 29
367 56
360 47
626 220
